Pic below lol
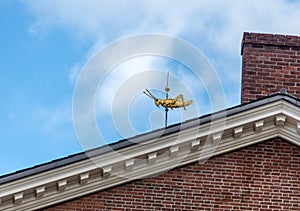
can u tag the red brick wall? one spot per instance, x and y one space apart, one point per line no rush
270 62
265 176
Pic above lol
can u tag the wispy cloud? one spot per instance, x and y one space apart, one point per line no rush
36 133
54 121
215 27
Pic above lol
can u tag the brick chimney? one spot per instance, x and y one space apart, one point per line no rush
270 62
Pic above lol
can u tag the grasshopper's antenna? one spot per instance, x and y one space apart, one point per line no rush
148 93
167 89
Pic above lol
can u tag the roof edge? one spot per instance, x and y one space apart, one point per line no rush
277 116
147 136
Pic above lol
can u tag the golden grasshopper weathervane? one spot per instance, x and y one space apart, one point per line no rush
177 102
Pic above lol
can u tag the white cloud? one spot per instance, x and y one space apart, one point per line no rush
74 72
210 19
126 71
215 27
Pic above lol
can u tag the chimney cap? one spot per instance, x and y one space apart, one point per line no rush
283 91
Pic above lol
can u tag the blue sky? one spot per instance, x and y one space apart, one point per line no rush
46 44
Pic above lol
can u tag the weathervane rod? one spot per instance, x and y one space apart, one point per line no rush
167 89
166 118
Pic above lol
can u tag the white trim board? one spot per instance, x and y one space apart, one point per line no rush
278 119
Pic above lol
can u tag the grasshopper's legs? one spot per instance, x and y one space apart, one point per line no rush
182 99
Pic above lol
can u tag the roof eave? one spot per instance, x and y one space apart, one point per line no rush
275 116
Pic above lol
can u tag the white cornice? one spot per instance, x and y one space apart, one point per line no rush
155 156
